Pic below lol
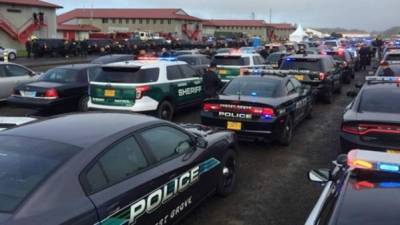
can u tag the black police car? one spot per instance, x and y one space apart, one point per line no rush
64 87
267 107
110 169
372 120
363 188
319 71
347 64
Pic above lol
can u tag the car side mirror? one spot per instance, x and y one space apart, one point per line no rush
341 160
358 85
352 94
320 175
32 74
201 142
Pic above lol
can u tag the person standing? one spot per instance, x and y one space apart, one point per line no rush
364 56
211 81
28 47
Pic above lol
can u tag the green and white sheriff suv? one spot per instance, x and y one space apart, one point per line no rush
236 63
159 87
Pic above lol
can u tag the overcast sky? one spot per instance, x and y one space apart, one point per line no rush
363 14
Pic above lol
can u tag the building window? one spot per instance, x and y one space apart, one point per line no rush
14 10
161 21
154 21
133 21
169 21
120 21
147 21
105 20
113 20
140 21
126 21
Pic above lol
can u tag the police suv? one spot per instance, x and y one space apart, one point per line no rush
159 86
237 63
363 188
111 169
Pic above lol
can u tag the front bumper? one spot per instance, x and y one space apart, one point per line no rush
349 142
262 128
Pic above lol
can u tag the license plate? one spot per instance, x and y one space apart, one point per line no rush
28 94
390 151
234 125
299 77
109 93
223 72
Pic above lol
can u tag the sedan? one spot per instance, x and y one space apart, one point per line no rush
11 75
106 168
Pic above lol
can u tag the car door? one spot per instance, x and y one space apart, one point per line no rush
188 172
18 73
304 100
334 71
6 83
119 182
292 98
194 92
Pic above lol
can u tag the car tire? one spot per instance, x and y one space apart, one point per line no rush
286 134
165 111
83 104
12 56
227 179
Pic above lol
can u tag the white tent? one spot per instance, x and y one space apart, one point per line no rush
298 35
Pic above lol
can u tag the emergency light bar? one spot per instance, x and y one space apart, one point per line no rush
383 79
376 161
280 72
153 58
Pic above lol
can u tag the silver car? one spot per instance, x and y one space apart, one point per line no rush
12 53
12 75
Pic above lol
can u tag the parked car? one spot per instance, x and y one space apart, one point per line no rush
64 87
11 75
198 62
12 53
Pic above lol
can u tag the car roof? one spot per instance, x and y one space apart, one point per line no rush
263 77
147 63
191 56
242 54
356 204
82 130
309 56
77 66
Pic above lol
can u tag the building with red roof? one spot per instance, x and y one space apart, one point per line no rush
22 19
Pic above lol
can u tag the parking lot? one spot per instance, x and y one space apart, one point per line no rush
273 187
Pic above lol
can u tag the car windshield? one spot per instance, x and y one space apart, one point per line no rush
331 44
395 68
61 75
383 100
231 61
273 58
251 86
393 57
132 75
24 164
302 64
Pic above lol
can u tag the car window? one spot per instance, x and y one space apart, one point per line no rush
2 71
297 85
189 60
384 100
380 72
290 89
258 60
170 142
205 61
174 73
231 60
131 75
94 72
120 162
187 71
15 71
257 87
301 64
392 57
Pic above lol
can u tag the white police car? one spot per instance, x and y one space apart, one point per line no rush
160 85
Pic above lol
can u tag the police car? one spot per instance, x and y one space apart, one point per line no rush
149 85
392 57
260 107
372 120
237 63
363 188
111 169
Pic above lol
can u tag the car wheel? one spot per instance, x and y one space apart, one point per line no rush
227 179
83 104
287 132
12 56
165 111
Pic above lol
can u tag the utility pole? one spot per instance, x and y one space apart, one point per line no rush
270 15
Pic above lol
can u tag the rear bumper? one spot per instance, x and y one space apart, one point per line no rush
37 102
268 129
145 104
349 142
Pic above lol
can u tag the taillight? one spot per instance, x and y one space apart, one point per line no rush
210 107
141 90
265 112
51 94
322 76
363 129
244 71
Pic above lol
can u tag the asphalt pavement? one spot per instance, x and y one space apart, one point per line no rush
272 186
